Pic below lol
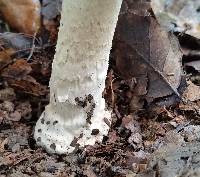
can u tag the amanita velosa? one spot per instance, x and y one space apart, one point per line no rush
76 114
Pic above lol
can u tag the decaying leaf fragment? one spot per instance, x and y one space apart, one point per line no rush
18 76
5 57
143 50
192 93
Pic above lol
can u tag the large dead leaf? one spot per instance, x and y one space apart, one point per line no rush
23 15
144 51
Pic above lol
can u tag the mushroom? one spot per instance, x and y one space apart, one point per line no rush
77 115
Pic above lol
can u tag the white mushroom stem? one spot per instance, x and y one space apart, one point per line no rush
76 114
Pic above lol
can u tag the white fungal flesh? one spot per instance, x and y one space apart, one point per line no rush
76 113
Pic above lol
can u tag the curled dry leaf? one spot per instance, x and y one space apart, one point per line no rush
23 15
179 15
20 69
17 76
142 50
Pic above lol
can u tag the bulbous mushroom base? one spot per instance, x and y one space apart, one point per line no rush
63 131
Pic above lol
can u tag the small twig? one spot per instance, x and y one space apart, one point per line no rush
32 48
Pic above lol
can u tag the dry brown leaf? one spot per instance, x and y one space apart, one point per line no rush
192 92
19 70
17 76
144 51
23 15
5 57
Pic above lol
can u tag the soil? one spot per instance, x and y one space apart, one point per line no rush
127 150
149 141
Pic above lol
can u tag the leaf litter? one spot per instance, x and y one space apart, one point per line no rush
136 132
144 51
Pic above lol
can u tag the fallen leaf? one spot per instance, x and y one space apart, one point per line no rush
17 76
22 15
192 92
20 69
5 57
143 50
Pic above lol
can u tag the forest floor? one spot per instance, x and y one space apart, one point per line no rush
145 140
